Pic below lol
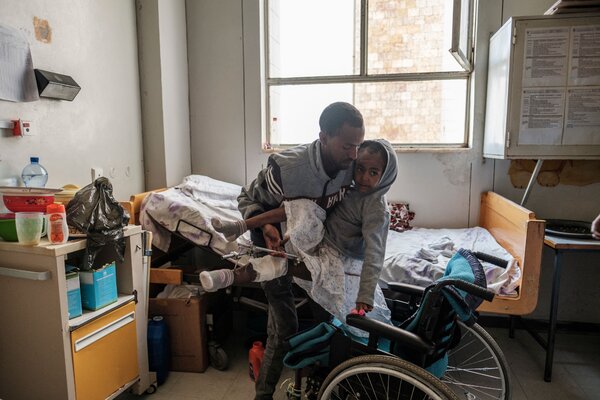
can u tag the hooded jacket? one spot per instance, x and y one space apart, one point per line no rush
295 173
359 225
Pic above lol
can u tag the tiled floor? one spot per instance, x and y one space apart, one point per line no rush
576 372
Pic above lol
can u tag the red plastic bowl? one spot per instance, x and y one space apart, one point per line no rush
30 202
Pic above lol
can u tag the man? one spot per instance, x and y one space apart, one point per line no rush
318 171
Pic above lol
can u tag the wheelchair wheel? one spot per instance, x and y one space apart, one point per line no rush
477 368
382 377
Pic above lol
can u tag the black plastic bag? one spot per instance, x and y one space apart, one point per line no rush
95 212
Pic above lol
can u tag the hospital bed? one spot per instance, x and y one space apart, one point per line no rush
181 214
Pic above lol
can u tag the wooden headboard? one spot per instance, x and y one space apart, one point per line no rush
517 230
135 202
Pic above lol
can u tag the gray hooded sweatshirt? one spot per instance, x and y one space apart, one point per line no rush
358 226
296 173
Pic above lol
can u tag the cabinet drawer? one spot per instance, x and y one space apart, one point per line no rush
105 354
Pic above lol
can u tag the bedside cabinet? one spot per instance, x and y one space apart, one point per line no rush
46 355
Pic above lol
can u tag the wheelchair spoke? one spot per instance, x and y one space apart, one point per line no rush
477 366
482 394
474 371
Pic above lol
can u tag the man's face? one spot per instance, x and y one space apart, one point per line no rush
340 150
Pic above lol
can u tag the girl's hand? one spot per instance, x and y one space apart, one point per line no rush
364 307
272 237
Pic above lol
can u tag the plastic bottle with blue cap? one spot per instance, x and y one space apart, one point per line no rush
34 175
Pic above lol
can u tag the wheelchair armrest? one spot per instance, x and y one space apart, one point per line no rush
389 332
405 288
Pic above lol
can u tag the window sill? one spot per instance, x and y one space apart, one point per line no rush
398 149
433 149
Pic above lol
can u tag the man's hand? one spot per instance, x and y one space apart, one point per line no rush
596 227
272 237
363 306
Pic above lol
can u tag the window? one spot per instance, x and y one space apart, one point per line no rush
390 59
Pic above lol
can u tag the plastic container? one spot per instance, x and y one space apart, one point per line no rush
255 357
34 174
58 231
159 352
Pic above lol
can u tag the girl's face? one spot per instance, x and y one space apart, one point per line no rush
368 170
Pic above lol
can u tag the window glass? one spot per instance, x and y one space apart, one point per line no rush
402 112
311 38
410 39
411 89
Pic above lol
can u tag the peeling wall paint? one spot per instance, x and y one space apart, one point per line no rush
43 32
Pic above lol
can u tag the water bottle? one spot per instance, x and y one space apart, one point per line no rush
58 231
34 175
159 353
255 357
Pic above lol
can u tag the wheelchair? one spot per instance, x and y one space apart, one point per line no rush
401 362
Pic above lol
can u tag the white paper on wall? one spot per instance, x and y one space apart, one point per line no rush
582 119
585 56
542 116
17 79
546 51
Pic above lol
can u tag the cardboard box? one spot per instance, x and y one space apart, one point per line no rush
73 294
98 287
187 331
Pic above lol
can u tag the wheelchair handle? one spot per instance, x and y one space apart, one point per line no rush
390 332
468 287
406 288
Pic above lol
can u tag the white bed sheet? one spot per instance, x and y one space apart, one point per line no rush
196 201
415 257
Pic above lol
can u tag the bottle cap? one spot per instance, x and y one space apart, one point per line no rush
157 318
55 208
34 159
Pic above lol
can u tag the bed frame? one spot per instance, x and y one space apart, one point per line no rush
514 228
522 235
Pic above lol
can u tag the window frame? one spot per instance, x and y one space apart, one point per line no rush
463 56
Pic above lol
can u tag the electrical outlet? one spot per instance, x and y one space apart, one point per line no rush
97 173
27 128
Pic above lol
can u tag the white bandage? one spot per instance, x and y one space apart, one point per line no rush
269 267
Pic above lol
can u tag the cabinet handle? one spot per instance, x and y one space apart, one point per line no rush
23 274
93 337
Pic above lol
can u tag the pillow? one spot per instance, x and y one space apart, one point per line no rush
400 217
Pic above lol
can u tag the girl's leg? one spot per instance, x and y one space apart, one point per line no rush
236 228
299 270
261 269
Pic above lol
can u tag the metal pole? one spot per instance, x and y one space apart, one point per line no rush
534 174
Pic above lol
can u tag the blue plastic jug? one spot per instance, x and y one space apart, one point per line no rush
159 351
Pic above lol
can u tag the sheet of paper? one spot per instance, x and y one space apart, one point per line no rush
17 79
542 116
582 121
585 56
545 57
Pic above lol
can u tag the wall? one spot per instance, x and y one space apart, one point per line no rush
94 42
216 64
442 187
162 40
